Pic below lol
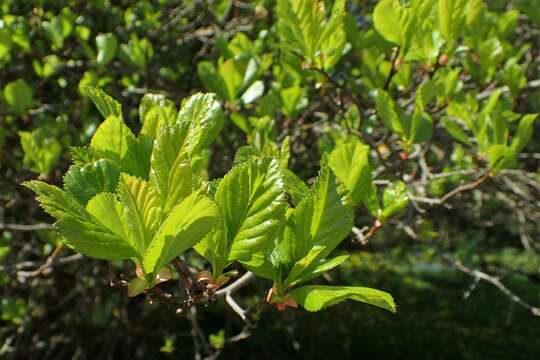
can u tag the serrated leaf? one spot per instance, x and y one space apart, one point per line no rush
79 229
136 161
294 186
170 167
112 135
142 210
301 265
305 30
215 248
320 219
318 297
319 268
106 209
84 182
184 226
252 201
205 118
386 109
395 199
350 162
155 112
106 105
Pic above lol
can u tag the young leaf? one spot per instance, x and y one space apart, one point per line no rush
386 109
112 135
106 105
318 297
205 118
252 201
184 226
350 162
295 186
136 161
106 209
319 268
170 167
84 182
142 211
320 219
80 231
156 111
395 199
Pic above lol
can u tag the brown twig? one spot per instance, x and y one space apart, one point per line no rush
393 70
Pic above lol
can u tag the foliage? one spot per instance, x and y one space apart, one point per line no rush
308 131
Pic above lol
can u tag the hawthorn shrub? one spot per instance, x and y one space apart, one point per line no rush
262 143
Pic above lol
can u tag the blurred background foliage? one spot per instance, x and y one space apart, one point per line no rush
51 50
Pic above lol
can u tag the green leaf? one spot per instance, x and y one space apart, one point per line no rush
170 167
215 248
301 265
420 127
156 111
294 186
184 226
142 211
386 18
112 135
318 297
305 30
253 92
106 45
501 157
350 162
211 79
136 161
19 96
386 109
451 18
106 105
524 132
395 199
456 131
80 231
320 219
84 182
205 118
319 268
252 201
108 211
41 150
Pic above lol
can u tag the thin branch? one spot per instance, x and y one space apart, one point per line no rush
239 283
479 275
235 307
24 227
393 69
